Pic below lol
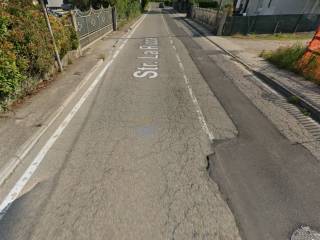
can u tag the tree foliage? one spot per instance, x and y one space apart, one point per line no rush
86 4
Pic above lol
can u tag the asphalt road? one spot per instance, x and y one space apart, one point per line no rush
132 162
270 183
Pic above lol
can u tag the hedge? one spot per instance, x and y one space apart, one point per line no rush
26 50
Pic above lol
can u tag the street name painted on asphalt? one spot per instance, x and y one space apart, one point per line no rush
150 57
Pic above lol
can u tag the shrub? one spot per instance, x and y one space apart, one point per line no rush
291 58
208 4
127 9
285 57
10 78
144 4
168 3
133 9
26 50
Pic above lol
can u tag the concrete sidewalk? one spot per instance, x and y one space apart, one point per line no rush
32 115
258 45
306 90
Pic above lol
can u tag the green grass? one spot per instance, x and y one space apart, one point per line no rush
294 100
278 36
285 57
288 58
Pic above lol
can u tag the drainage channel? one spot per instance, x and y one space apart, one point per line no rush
303 118
311 125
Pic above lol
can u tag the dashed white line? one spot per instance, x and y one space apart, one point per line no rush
200 115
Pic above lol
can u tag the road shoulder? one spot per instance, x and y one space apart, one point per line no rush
29 120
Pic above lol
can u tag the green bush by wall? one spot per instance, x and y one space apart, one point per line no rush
208 4
26 50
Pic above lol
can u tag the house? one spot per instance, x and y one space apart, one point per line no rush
276 7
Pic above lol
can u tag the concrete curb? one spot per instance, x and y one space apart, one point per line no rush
284 91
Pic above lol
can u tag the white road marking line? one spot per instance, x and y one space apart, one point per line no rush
201 117
23 180
25 149
115 54
7 170
181 66
178 57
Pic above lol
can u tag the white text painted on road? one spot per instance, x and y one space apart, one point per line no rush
150 57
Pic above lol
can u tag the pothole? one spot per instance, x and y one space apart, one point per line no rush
305 233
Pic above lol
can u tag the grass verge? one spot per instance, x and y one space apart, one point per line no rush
278 36
288 58
285 57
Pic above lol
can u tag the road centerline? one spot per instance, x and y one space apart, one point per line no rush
194 99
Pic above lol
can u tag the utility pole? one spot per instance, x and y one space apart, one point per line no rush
219 8
45 13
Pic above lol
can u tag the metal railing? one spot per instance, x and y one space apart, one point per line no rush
92 24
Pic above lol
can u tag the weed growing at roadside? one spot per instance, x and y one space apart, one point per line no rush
285 57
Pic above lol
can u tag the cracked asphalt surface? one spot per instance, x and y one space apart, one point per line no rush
132 163
269 182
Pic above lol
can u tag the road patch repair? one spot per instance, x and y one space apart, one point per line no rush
240 162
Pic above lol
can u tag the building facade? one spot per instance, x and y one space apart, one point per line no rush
276 7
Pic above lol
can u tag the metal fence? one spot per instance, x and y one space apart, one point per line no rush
263 24
271 24
92 24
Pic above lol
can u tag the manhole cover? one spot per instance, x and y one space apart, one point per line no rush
305 233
